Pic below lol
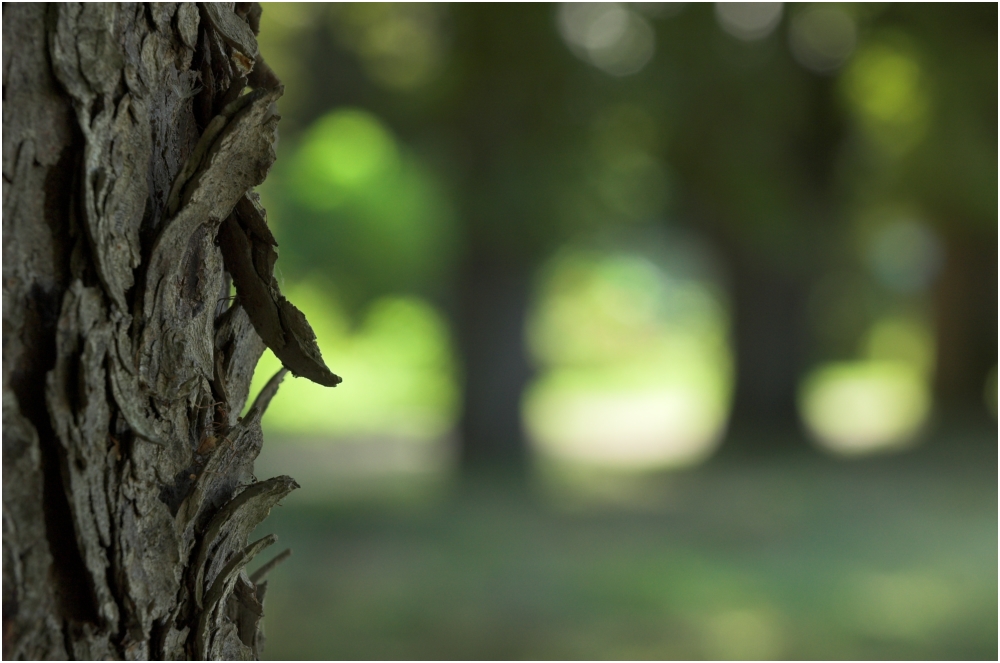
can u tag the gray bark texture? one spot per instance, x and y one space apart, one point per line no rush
133 135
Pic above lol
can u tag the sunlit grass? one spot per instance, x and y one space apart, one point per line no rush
756 633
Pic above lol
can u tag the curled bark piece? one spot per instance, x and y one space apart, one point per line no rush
234 30
229 467
262 76
253 291
180 295
267 393
207 140
248 252
187 24
301 352
245 611
261 573
253 217
228 529
126 392
253 17
222 586
201 148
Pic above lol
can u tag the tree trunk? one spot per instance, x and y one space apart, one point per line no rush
770 346
506 126
966 316
773 262
128 487
493 300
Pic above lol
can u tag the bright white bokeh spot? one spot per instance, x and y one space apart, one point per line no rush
666 427
607 28
636 367
608 35
822 38
854 408
749 21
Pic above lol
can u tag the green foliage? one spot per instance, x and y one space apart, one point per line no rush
350 201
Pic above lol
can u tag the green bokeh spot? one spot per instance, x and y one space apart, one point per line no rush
343 151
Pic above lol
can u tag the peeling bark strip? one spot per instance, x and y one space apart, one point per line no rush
131 148
248 250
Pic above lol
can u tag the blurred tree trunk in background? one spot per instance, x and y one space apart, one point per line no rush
771 341
966 310
955 178
503 120
128 487
773 234
492 301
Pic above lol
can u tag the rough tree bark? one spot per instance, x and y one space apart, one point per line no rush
130 148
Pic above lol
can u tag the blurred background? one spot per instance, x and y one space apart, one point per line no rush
666 330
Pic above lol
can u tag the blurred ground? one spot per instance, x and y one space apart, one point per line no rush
802 557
